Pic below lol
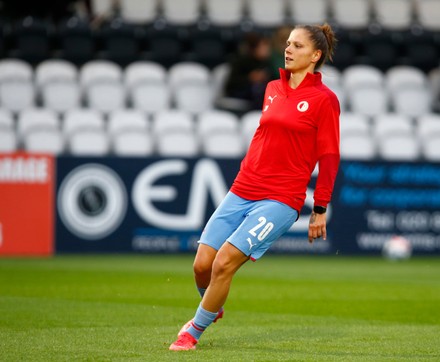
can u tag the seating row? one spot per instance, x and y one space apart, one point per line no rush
147 86
379 33
212 133
349 13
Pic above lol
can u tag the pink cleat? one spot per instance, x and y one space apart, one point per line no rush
219 315
185 342
185 327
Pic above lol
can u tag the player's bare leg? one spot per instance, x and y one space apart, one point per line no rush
227 261
203 265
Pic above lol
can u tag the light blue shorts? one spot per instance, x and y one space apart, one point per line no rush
251 226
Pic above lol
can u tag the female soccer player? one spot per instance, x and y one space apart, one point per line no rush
299 127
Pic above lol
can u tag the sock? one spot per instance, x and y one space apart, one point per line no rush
201 291
202 320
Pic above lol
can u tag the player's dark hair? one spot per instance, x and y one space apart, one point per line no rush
324 39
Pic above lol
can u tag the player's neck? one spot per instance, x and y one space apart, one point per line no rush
296 79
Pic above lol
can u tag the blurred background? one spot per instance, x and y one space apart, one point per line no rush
123 122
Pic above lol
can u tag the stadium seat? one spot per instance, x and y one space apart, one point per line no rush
17 95
224 13
140 71
44 140
8 140
267 14
404 76
430 147
351 14
193 96
380 49
394 14
139 11
61 96
420 49
180 143
83 118
392 123
216 121
76 40
412 101
361 75
57 85
188 71
172 120
364 87
17 90
348 51
165 45
207 46
88 142
399 147
358 146
106 96
181 13
191 87
99 70
147 86
223 144
427 125
52 70
351 123
101 81
150 97
6 119
37 118
308 11
368 99
120 41
409 90
133 143
127 120
32 40
428 12
102 8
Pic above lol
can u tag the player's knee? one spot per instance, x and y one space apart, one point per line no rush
223 265
202 267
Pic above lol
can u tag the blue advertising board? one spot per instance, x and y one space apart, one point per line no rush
150 205
377 200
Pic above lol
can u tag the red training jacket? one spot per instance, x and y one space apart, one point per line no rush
298 128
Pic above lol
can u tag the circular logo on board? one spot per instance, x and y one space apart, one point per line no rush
302 106
92 201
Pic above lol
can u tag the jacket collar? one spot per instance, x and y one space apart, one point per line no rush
310 80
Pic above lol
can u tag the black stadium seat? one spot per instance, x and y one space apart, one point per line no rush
76 40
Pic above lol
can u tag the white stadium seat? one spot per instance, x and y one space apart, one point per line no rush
134 143
179 143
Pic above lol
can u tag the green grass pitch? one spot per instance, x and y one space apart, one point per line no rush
129 308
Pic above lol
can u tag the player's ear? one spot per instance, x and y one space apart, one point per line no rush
316 55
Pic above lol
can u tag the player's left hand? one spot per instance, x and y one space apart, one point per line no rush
317 226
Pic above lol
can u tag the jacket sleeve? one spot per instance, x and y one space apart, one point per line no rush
328 152
328 170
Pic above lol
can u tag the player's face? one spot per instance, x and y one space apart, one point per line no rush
300 53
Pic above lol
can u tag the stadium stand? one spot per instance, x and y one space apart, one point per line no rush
131 64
